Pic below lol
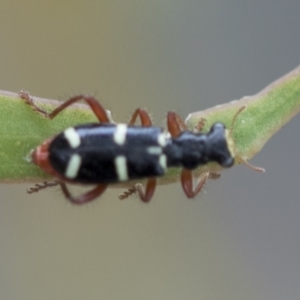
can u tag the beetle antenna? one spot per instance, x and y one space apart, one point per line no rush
255 168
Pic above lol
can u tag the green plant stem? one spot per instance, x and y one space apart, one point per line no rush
22 129
265 114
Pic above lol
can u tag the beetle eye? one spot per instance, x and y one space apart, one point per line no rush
226 161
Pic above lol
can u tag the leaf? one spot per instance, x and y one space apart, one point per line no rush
22 129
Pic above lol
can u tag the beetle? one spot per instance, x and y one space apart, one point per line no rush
106 153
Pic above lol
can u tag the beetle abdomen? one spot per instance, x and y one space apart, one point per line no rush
107 153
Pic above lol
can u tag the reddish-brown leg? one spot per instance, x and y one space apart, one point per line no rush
86 197
145 196
138 188
144 117
187 182
96 107
175 124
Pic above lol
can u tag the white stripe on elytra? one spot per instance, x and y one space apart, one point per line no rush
120 134
163 161
121 167
162 139
72 137
155 150
73 166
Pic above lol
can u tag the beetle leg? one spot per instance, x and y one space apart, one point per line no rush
200 125
126 194
84 198
138 188
175 124
96 107
40 186
187 182
144 117
151 183
214 175
146 196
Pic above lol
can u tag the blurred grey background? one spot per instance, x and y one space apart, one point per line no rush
238 240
